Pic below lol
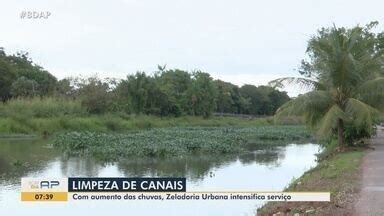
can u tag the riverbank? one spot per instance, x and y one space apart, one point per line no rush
46 126
47 116
339 174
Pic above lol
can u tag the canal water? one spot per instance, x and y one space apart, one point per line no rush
263 169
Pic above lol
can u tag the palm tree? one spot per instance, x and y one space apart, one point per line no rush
345 75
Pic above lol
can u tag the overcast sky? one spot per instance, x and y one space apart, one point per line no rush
240 41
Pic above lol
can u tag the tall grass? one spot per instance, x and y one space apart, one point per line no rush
45 116
41 108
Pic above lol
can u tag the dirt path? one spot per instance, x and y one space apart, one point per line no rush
371 200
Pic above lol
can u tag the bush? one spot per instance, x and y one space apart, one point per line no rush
354 133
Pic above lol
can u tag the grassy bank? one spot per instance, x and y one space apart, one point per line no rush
48 116
113 123
338 174
177 141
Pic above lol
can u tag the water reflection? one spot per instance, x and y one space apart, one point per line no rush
20 157
269 156
197 167
80 166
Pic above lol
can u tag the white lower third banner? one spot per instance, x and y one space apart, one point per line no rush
151 189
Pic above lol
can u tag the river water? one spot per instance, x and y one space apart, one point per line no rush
264 169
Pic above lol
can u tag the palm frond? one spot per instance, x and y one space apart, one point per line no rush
311 105
329 121
303 83
372 92
360 112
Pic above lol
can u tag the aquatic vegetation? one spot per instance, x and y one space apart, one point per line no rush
174 141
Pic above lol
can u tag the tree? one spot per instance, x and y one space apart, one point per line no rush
24 87
276 98
23 66
345 75
13 67
135 90
94 94
258 97
7 76
225 94
174 85
64 88
271 99
202 95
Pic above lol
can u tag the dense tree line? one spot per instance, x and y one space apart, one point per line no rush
167 92
19 76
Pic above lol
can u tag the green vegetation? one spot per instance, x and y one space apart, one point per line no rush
346 74
170 112
168 92
20 77
50 115
339 175
35 102
175 141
